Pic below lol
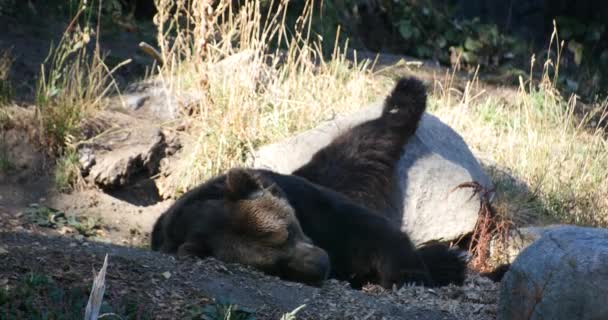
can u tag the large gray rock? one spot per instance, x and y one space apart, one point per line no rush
435 161
563 275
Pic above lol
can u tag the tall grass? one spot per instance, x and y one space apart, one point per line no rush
6 90
74 81
259 80
549 159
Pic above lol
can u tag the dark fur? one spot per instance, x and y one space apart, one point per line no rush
354 171
241 217
361 164
364 247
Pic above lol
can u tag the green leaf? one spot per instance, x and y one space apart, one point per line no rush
441 42
405 29
472 45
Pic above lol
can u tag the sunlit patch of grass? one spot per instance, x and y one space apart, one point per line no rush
252 93
558 157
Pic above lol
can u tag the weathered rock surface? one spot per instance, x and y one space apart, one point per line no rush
152 100
435 161
563 275
121 147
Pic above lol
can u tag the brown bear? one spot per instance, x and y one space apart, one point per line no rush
247 216
361 164
363 245
240 217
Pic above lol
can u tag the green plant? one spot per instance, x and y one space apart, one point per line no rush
6 7
430 31
557 155
588 65
67 171
427 29
6 89
73 82
6 164
53 218
38 296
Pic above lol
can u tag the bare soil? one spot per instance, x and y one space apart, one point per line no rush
168 287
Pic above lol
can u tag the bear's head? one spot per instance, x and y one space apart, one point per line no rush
246 219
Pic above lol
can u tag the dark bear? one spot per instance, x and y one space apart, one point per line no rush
243 217
240 217
361 163
363 245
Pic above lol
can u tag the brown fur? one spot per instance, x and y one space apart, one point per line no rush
241 218
361 164
248 216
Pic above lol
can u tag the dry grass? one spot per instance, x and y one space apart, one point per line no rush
74 81
257 80
260 81
547 160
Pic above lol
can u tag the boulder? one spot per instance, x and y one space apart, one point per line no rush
434 162
563 275
120 148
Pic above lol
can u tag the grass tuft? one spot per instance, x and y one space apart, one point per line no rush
67 176
74 82
257 81
549 159
6 89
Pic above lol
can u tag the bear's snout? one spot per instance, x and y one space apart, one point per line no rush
308 263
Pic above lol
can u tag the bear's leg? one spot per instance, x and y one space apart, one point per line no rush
360 163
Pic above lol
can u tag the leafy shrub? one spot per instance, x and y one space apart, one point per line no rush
428 29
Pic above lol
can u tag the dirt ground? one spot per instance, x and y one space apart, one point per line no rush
169 288
161 285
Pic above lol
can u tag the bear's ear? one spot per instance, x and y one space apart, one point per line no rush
242 184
